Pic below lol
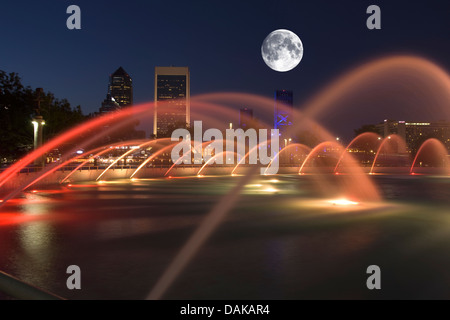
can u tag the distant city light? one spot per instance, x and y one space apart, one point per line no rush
258 185
343 202
417 123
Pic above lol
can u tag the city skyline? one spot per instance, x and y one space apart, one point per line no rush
250 151
231 51
282 116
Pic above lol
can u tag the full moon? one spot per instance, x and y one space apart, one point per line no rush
282 50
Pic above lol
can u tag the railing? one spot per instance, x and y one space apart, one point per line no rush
161 166
121 167
18 289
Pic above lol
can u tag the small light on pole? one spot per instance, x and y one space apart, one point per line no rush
38 122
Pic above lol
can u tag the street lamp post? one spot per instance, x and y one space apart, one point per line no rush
290 151
38 124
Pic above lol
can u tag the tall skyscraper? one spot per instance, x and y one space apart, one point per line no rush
245 118
120 95
121 88
172 99
283 111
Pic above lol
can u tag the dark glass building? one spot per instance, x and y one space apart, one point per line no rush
283 111
121 88
172 100
120 95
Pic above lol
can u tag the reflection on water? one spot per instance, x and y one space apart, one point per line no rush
36 252
281 241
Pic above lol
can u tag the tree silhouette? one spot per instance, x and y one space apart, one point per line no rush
17 108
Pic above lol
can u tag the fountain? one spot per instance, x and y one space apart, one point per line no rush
432 153
321 147
304 150
341 181
370 140
217 156
393 145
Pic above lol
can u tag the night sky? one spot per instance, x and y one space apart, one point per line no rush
220 41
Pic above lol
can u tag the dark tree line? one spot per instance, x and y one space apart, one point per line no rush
366 128
18 106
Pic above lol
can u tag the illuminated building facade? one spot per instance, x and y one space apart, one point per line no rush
415 133
121 87
172 99
283 111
